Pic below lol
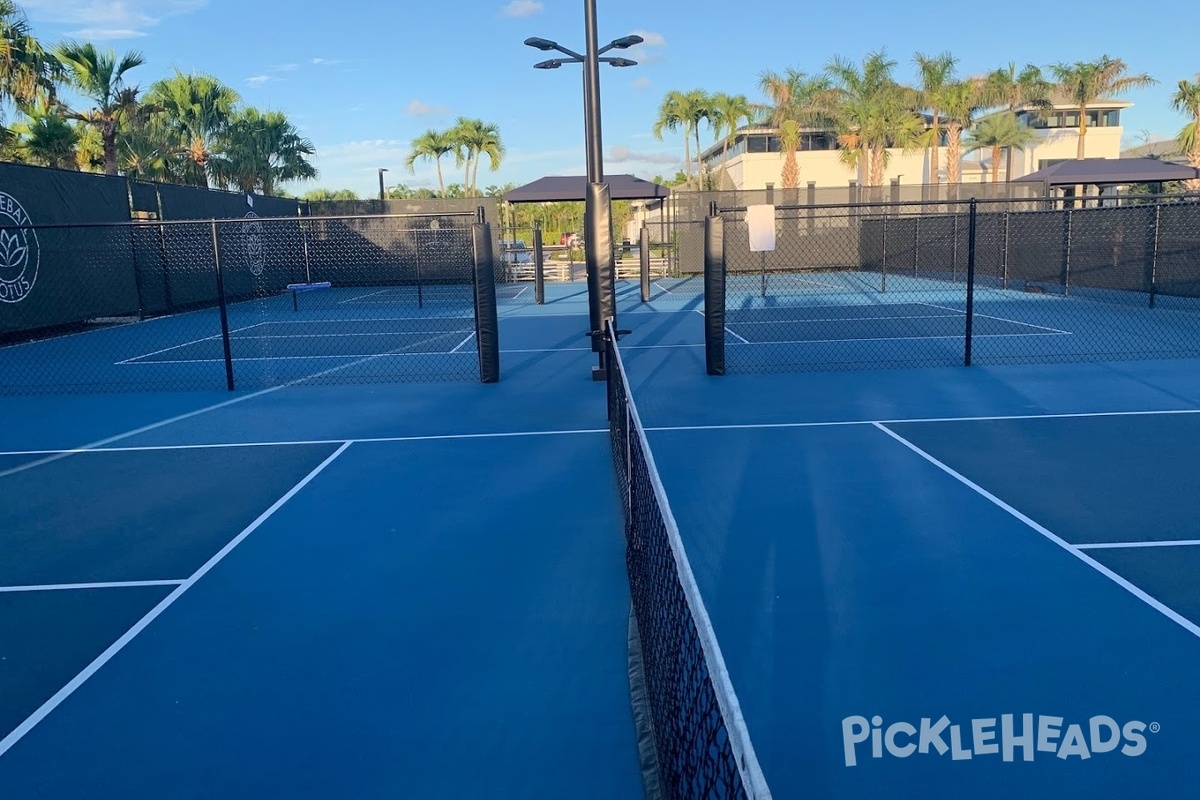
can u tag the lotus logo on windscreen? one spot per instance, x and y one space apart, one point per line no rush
19 251
252 231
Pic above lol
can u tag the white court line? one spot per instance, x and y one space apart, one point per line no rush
346 335
288 358
362 296
915 420
100 448
518 294
1001 319
62 694
61 587
461 344
1166 611
1135 545
437 437
741 339
340 321
846 319
957 338
180 417
137 358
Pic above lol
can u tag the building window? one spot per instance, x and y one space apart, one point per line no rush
1112 118
756 144
1050 162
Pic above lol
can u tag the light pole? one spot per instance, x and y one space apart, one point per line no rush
382 194
601 288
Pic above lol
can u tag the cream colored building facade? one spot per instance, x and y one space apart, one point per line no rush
755 159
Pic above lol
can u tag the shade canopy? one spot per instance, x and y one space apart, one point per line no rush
1111 172
561 188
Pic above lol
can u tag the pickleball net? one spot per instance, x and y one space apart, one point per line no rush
701 744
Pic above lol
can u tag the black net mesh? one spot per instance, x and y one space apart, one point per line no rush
887 285
146 306
695 755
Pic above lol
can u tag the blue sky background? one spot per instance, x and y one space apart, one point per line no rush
363 77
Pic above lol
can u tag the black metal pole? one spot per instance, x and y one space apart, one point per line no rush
644 262
539 267
970 285
591 95
224 310
883 262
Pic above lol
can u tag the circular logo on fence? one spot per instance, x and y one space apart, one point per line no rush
252 241
20 252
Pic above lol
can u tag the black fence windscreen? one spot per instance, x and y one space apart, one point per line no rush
982 281
137 306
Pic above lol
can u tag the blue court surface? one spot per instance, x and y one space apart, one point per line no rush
926 582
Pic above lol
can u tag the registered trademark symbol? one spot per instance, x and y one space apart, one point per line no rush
1155 727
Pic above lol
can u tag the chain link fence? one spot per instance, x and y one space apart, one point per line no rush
246 303
926 284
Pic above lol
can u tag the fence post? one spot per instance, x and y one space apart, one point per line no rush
1154 254
812 201
1066 270
644 261
883 260
137 269
304 238
539 266
954 247
917 243
224 307
1004 249
970 323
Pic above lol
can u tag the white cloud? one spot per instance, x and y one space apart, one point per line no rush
642 83
522 8
109 19
419 108
255 81
623 155
285 67
650 50
328 62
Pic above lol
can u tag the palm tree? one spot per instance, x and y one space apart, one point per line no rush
100 78
871 113
937 73
998 132
431 145
474 138
1011 90
196 109
963 100
486 142
1187 101
789 139
257 151
1085 82
27 71
683 111
728 113
47 137
799 98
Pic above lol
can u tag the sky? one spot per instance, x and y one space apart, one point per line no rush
362 78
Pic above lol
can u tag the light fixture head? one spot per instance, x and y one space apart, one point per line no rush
622 62
626 42
552 63
540 43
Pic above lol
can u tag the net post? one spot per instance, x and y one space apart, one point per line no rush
970 323
598 253
714 293
487 324
223 306
644 261
304 238
539 267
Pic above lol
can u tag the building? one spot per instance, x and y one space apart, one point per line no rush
755 157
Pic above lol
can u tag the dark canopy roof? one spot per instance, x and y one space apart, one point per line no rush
571 187
1111 171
